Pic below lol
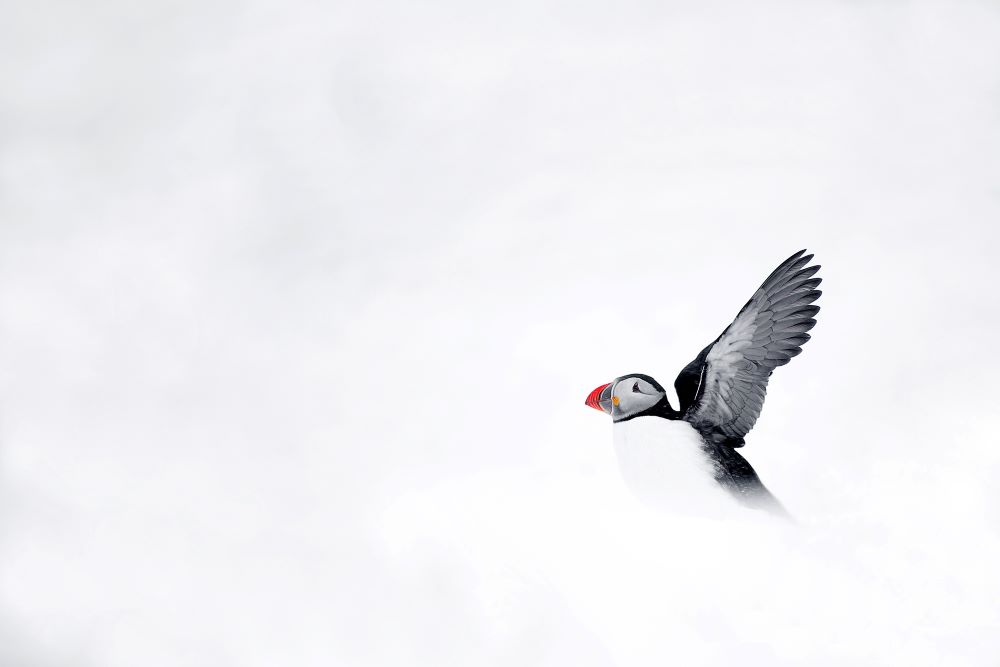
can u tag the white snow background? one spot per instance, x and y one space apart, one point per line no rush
299 304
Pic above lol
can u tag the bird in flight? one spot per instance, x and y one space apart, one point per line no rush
669 456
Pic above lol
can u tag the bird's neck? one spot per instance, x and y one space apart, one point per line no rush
663 409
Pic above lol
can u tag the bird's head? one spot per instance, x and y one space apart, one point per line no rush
627 397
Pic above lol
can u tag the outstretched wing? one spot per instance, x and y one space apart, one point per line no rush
722 391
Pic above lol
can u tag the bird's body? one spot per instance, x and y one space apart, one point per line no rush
682 457
663 463
668 464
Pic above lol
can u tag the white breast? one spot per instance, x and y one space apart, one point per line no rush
662 463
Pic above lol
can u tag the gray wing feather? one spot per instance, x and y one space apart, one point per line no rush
769 330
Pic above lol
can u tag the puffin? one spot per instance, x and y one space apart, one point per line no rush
684 457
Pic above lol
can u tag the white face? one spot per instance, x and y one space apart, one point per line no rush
631 395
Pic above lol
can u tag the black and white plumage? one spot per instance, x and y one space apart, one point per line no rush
721 392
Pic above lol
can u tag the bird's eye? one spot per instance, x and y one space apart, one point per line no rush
635 388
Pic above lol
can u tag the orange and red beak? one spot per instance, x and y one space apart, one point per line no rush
600 398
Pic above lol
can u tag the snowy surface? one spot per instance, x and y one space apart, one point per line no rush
299 304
